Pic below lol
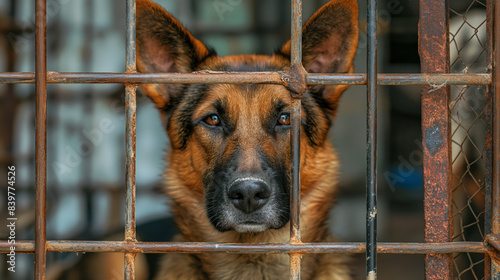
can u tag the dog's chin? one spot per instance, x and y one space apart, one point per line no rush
250 228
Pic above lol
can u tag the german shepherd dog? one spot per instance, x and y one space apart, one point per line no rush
229 163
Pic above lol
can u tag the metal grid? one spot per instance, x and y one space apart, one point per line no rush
436 127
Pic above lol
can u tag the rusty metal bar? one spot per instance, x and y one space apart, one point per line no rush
295 260
297 88
295 190
435 58
434 80
296 40
41 139
495 217
248 248
371 143
130 103
489 122
130 265
211 77
131 112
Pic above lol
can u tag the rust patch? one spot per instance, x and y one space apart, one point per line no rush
295 261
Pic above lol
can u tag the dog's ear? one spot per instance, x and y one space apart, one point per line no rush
329 43
164 45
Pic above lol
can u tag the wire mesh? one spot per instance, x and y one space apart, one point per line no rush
468 51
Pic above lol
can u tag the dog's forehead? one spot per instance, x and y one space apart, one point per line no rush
246 63
252 98
237 95
237 100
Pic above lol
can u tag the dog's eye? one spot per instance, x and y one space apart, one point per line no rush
212 120
284 119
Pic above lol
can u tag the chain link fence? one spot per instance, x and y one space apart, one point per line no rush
467 108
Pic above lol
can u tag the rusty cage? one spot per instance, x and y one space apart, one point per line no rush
441 244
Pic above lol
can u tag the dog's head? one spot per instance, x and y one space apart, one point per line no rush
231 143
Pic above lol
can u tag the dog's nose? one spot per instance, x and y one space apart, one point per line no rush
249 195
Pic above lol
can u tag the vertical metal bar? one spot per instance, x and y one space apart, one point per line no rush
495 218
130 100
295 191
41 139
131 105
295 260
488 119
371 144
296 59
435 58
131 30
296 41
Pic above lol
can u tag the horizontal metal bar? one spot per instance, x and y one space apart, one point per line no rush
249 248
144 78
436 80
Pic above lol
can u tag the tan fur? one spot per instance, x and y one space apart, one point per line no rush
318 177
247 105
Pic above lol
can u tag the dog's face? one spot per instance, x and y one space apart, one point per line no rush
241 134
231 143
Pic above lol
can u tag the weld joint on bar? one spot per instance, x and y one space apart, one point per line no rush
295 80
131 69
493 241
295 241
132 86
